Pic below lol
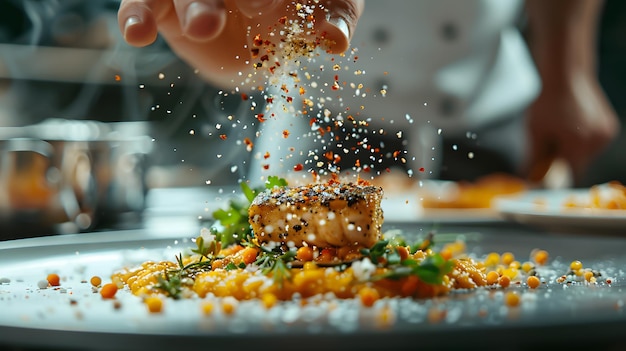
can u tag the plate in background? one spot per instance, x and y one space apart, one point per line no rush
546 208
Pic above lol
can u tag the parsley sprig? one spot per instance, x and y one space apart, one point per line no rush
233 220
233 228
430 270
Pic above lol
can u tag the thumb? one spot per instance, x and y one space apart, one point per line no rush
340 23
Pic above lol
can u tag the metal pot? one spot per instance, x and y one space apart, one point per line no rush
63 176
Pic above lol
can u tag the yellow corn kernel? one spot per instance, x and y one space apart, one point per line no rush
527 266
492 259
207 308
541 257
492 277
576 265
507 258
512 299
154 304
533 282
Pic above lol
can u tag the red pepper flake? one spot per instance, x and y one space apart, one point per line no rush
282 20
396 153
118 78
335 86
272 69
257 40
329 155
223 136
266 167
298 167
248 142
366 168
285 133
260 117
361 181
289 99
244 96
357 163
337 159
255 52
302 91
265 58
266 155
269 100
421 169
388 170
321 131
312 121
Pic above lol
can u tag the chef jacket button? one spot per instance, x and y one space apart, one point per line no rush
381 35
448 106
449 31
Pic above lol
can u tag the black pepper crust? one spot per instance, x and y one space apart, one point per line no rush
322 193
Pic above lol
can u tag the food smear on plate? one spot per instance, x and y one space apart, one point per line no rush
470 194
607 196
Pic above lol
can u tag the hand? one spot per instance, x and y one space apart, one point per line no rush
574 122
215 36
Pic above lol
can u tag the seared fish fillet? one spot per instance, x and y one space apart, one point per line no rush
322 215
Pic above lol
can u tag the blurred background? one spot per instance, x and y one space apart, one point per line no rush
94 133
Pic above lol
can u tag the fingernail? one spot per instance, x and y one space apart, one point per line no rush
195 9
340 23
261 4
131 21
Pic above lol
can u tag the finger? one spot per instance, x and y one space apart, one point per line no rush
252 8
540 161
137 20
340 24
201 20
335 20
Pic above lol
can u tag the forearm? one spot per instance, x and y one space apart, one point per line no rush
562 37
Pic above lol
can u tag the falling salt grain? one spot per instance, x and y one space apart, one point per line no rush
470 155
42 284
161 76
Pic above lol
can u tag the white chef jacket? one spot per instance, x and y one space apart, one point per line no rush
448 67
456 64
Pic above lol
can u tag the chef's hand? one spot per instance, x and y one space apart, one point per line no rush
572 121
572 118
214 36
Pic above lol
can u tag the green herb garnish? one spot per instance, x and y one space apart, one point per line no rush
385 253
276 263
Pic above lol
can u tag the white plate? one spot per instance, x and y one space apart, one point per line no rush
406 206
546 208
74 317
